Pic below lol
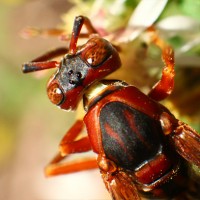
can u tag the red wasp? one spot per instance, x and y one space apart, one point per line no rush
141 147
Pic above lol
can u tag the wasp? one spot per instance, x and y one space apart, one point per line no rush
141 148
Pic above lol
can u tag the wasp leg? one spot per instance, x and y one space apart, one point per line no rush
69 146
57 168
51 54
165 85
30 32
185 139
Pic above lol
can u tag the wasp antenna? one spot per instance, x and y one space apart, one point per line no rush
37 66
78 23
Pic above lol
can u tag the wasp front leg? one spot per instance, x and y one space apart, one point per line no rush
70 145
185 139
56 32
61 33
118 182
164 87
30 32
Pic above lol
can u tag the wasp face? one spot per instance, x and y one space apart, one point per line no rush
72 72
67 80
92 62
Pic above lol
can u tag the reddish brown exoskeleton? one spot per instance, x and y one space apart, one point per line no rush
141 147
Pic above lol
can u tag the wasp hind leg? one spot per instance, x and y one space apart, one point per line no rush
68 146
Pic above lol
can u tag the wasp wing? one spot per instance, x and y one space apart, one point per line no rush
121 186
187 143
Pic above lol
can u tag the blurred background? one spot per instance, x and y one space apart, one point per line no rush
31 127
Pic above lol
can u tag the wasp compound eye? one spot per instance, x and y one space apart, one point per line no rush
96 55
55 94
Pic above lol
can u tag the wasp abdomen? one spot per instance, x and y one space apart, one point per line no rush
128 136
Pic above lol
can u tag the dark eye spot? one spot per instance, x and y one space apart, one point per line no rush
79 75
72 82
70 72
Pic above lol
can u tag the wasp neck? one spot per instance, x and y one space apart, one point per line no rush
99 90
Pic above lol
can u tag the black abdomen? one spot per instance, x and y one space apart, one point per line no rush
129 136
